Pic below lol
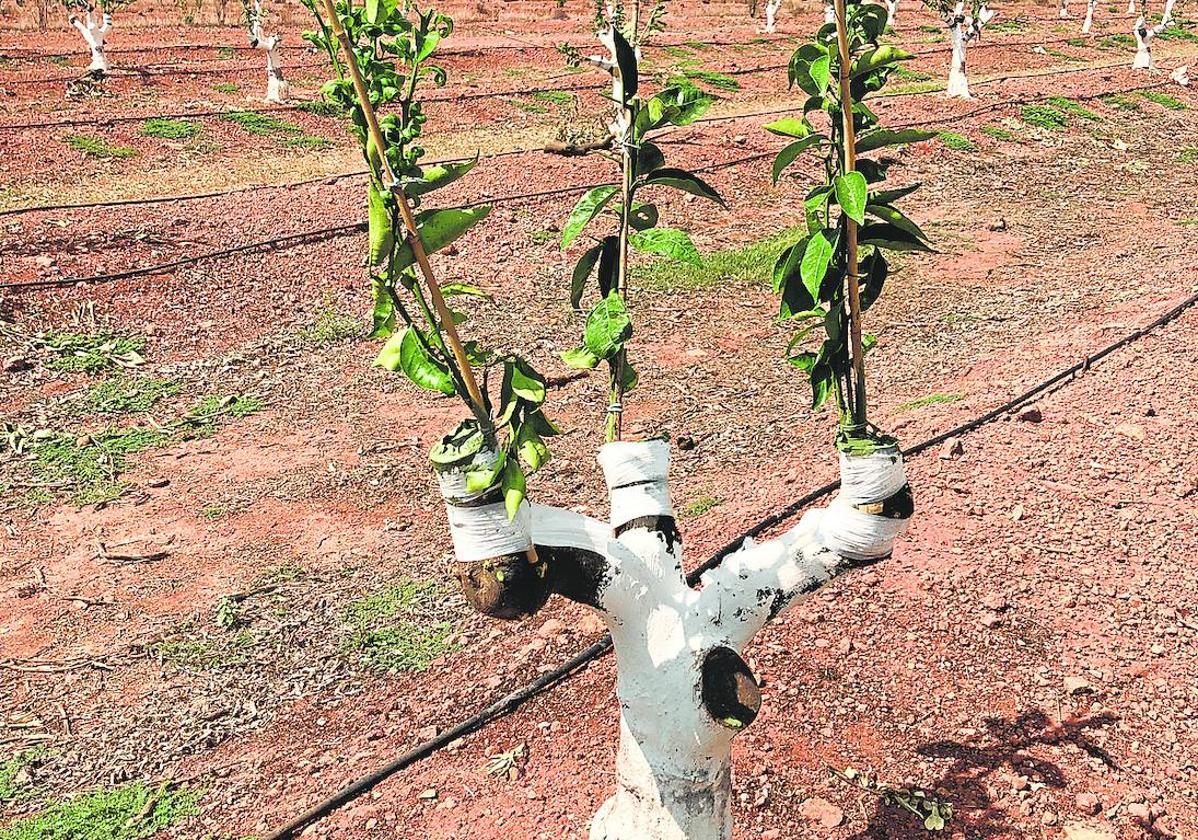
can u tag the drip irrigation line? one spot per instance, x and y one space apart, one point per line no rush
327 233
512 701
143 73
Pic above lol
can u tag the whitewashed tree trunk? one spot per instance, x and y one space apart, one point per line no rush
95 33
1181 75
277 89
1064 10
1089 21
958 82
1167 15
771 13
891 12
1144 35
1131 8
683 686
829 13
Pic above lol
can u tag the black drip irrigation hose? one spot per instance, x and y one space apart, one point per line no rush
512 701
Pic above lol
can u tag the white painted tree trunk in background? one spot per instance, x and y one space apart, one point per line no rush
1144 35
1167 15
891 12
1181 75
673 764
771 14
1090 4
829 13
277 89
95 34
962 29
1064 12
1131 8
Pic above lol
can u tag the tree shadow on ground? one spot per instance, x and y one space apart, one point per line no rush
977 765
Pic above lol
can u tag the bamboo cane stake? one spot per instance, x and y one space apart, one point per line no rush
405 210
850 165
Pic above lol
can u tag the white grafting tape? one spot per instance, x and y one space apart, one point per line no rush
481 532
636 474
865 479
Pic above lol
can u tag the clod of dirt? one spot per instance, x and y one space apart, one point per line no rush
821 811
1031 414
953 448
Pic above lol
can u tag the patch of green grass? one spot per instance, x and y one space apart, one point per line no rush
915 87
1176 33
59 60
1117 41
124 395
957 142
225 87
998 133
700 506
1188 155
1186 222
1121 101
322 108
213 406
129 812
540 237
203 654
264 125
676 52
528 106
98 148
1075 108
91 352
89 466
1163 99
909 75
385 638
169 129
719 81
13 784
927 27
330 327
930 399
308 141
1042 116
1077 42
225 53
1009 25
560 98
697 46
752 263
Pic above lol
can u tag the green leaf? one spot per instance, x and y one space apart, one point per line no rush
628 375
531 449
582 271
454 289
891 196
480 478
587 208
891 137
513 487
891 237
788 263
878 57
607 327
626 61
439 228
896 218
435 177
851 191
405 351
787 156
648 158
680 179
672 244
821 73
580 358
643 217
789 127
815 262
383 315
527 384
382 237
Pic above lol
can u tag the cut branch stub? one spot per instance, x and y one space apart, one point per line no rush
499 574
730 692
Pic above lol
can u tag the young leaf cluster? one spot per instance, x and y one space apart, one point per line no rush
629 205
392 47
811 276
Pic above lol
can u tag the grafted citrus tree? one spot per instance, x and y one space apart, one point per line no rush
277 89
94 22
963 29
684 688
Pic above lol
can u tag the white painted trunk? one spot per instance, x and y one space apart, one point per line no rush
891 12
829 13
958 83
95 33
1143 59
1089 21
673 764
1131 8
277 89
1167 16
771 14
1064 12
